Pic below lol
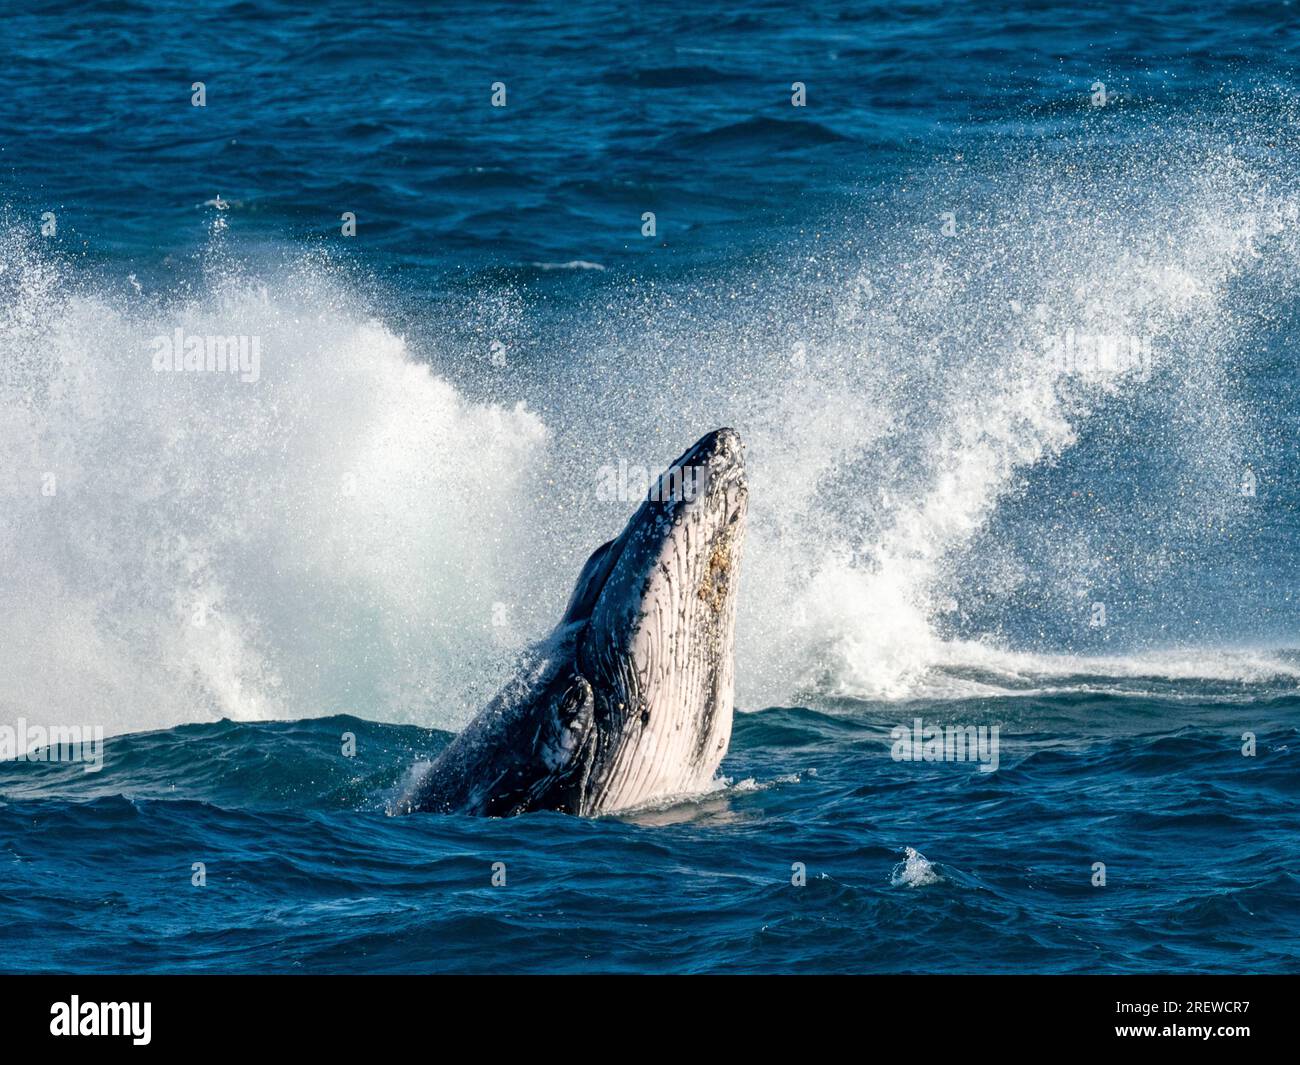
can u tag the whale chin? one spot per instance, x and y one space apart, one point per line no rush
630 700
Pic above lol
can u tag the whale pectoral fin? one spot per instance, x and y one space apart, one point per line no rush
590 581
565 751
578 701
552 775
573 719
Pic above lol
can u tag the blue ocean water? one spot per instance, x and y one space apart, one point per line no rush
960 512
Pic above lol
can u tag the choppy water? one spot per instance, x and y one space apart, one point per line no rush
228 575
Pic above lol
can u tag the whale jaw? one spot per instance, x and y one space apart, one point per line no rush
659 649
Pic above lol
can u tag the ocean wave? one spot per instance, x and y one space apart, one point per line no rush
914 871
966 670
757 134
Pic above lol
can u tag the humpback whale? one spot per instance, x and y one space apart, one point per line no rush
630 699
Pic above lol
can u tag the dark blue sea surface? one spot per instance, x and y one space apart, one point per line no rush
305 872
902 294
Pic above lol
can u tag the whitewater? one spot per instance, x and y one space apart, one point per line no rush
379 524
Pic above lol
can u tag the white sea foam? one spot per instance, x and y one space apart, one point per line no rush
914 871
933 408
966 669
331 538
572 264
356 531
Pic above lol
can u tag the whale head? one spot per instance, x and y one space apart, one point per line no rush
657 610
629 701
